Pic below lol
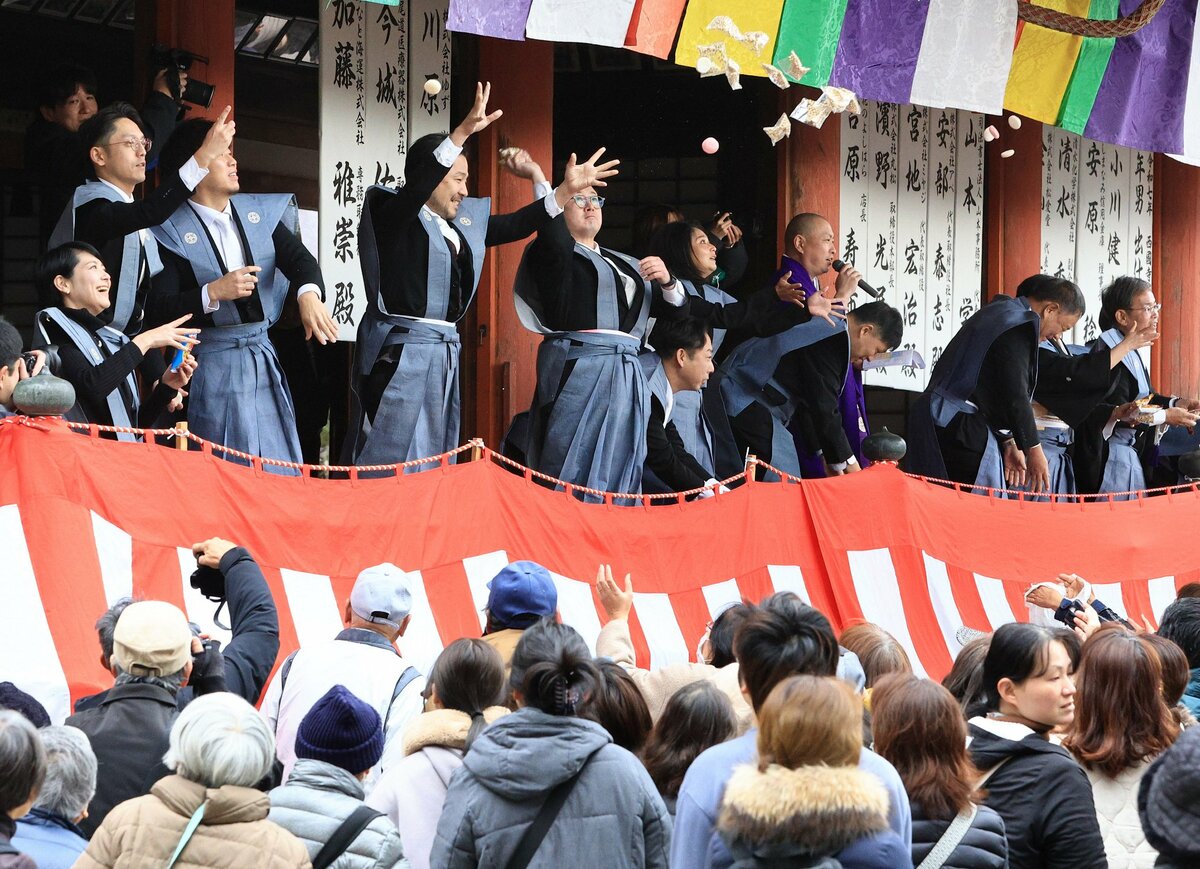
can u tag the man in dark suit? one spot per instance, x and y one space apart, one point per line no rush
422 248
231 260
807 383
104 214
974 423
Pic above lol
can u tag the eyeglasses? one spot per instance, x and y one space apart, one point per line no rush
583 201
134 145
1149 309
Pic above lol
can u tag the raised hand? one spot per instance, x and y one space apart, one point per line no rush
210 552
168 335
1179 416
521 164
478 118
829 310
218 141
847 282
654 269
617 603
580 176
316 319
181 376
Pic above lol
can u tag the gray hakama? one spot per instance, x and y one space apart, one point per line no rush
239 395
419 413
587 425
751 368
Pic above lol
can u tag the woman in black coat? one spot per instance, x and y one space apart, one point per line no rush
919 728
1035 785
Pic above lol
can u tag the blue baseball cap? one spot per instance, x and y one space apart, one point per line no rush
521 593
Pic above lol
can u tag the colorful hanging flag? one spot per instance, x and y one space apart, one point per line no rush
878 49
749 16
1042 65
653 27
1089 71
1142 97
966 54
580 21
504 19
811 29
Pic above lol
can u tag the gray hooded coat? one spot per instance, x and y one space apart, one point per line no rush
613 818
315 800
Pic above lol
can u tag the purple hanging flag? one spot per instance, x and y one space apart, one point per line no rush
1141 99
504 19
877 53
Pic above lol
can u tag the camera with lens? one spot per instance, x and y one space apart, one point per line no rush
53 363
197 92
209 581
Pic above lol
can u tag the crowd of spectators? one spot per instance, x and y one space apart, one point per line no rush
1044 746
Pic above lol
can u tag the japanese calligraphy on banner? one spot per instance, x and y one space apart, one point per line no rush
911 220
373 103
1097 217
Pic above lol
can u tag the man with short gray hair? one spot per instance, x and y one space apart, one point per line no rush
49 833
152 654
364 659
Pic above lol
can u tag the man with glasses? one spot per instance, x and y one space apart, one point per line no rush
422 248
104 214
591 408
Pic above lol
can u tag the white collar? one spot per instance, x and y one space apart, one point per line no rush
1011 730
128 197
441 220
211 214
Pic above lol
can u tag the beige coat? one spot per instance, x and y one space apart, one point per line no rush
504 642
235 832
657 686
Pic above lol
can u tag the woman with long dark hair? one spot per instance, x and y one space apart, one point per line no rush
1109 455
696 717
596 804
1033 783
463 695
1121 724
920 730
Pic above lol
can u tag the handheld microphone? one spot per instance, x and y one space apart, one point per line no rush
838 265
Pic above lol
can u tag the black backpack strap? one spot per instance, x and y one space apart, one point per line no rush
284 669
344 836
7 848
546 816
405 678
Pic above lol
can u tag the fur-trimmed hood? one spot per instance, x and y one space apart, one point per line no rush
444 728
817 810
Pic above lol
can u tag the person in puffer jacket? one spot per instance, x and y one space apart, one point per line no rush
805 802
613 816
339 740
465 688
919 728
1122 722
1035 785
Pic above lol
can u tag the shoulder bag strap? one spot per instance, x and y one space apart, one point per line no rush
344 836
949 841
192 824
406 677
537 831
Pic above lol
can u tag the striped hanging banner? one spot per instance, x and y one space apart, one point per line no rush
84 521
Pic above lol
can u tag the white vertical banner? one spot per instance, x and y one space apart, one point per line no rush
879 254
911 230
1060 155
939 244
1091 241
1118 246
1141 212
854 190
967 262
429 59
366 93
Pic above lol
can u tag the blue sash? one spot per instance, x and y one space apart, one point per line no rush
83 341
420 411
1132 361
124 291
